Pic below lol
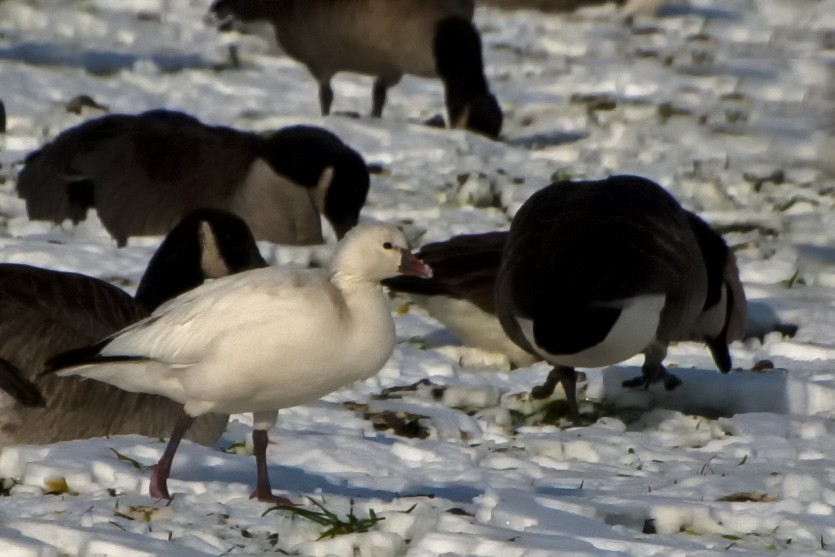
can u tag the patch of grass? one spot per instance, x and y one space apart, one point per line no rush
57 486
563 174
557 413
124 458
336 526
418 342
405 424
144 513
238 448
398 390
790 282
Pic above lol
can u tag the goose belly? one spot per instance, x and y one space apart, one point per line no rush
275 208
634 330
475 327
284 370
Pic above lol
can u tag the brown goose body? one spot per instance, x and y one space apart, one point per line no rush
384 39
461 292
144 173
365 36
45 312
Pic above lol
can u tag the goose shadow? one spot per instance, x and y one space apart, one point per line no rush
96 61
685 10
546 139
199 467
705 392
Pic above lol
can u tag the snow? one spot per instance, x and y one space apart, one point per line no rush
727 104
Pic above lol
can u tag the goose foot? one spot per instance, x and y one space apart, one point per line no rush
270 497
669 381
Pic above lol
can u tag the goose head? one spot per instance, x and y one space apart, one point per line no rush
334 173
373 251
481 114
207 243
458 60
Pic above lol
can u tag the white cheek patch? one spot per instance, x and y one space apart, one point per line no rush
320 192
634 330
461 122
318 195
211 261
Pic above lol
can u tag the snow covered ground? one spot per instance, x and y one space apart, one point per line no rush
728 104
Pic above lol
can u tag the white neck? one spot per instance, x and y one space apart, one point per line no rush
369 317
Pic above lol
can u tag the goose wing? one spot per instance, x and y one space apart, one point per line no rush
186 329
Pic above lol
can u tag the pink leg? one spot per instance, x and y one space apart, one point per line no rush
263 491
161 470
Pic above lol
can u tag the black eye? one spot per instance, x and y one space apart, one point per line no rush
387 245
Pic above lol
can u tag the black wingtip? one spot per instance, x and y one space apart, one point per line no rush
84 356
71 358
13 382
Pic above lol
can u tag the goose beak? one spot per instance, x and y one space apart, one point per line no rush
411 265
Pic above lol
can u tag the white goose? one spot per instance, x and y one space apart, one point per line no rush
260 341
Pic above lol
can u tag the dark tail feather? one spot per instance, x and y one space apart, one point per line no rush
721 355
21 389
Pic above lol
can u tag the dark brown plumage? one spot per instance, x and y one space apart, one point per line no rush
463 267
595 272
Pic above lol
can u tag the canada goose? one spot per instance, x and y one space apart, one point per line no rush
595 272
145 172
385 39
44 312
461 292
259 341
